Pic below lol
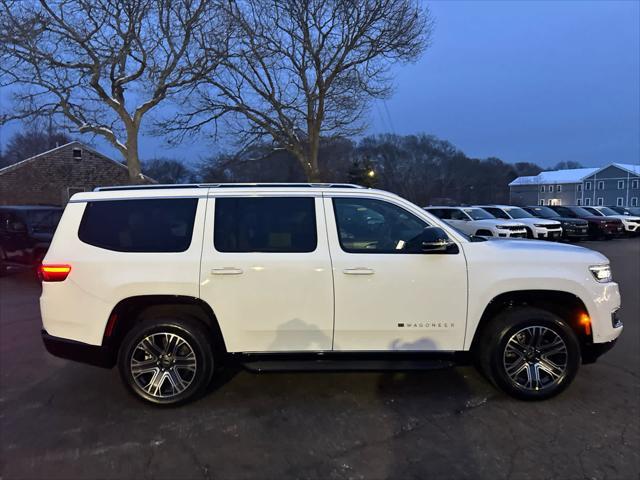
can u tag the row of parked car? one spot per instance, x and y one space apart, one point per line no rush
26 231
556 222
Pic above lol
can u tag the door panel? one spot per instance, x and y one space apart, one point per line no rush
267 299
395 301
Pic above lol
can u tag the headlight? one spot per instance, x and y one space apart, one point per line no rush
602 273
542 225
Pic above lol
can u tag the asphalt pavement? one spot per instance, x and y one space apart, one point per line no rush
60 419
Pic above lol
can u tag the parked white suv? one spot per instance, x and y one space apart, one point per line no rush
631 222
170 283
476 221
539 228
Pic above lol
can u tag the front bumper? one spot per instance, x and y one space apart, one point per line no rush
511 233
548 234
611 231
100 356
592 351
574 231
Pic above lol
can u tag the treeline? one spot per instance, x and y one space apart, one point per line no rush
422 168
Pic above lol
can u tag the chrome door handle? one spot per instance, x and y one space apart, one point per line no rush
226 271
358 271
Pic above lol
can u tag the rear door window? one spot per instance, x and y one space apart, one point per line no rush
265 224
159 225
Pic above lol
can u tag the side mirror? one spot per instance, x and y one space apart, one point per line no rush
436 240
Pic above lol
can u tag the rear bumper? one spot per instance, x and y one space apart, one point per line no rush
99 356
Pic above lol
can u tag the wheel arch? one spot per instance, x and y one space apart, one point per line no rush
132 310
566 305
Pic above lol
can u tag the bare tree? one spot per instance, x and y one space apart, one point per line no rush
32 141
168 170
301 70
103 64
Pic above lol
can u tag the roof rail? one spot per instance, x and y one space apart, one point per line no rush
227 185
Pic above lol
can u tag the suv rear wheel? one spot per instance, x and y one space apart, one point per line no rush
166 361
530 353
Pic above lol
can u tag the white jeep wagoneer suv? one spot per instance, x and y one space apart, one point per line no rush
171 282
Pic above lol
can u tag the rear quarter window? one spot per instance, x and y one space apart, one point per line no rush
158 225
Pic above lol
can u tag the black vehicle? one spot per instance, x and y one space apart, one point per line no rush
573 229
25 234
634 211
599 227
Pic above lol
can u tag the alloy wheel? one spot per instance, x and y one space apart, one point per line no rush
163 365
535 358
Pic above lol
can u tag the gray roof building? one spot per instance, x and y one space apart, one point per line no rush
613 184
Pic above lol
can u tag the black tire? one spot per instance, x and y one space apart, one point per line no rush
492 352
529 233
198 347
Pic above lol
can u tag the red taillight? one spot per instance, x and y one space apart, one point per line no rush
54 273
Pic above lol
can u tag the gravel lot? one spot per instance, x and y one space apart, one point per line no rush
60 419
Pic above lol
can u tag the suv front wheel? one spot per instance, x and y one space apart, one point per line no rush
530 353
166 361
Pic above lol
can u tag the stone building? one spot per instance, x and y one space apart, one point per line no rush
52 177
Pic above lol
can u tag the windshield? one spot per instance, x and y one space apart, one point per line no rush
607 211
44 220
517 212
478 213
581 212
544 212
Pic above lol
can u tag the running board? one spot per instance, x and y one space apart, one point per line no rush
325 365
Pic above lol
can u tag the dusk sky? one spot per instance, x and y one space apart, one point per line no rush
536 81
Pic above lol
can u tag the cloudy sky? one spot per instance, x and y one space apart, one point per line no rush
523 81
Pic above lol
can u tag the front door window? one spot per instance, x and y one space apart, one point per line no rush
373 226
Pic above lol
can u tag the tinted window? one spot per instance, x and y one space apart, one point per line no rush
607 211
265 224
478 214
44 221
580 211
544 212
593 211
517 212
496 212
161 225
565 211
459 215
442 213
374 226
